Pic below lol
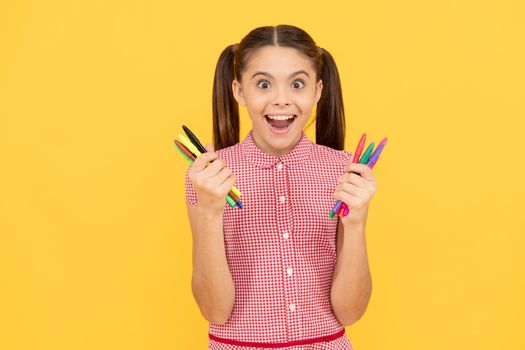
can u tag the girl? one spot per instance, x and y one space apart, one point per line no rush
279 272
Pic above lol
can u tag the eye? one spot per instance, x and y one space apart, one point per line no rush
298 81
262 82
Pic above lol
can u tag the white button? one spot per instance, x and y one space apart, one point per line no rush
290 271
286 235
292 307
280 166
282 199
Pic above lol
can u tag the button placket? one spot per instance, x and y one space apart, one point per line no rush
285 225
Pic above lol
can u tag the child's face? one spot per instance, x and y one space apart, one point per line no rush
270 86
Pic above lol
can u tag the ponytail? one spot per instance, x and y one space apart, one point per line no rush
330 114
225 107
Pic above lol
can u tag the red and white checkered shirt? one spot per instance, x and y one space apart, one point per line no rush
281 248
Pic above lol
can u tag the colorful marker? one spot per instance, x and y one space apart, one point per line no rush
184 153
197 153
231 198
189 155
368 158
359 149
367 154
194 139
371 162
339 203
357 154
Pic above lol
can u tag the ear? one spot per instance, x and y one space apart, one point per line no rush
319 89
237 92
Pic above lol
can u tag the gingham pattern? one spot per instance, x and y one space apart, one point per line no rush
281 247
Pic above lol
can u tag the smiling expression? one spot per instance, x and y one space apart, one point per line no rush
278 83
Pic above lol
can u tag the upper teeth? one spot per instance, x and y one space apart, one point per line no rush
280 117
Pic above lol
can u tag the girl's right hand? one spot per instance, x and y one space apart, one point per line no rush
212 180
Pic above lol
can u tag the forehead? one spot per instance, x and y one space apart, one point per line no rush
278 61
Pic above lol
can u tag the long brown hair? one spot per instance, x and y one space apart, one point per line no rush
330 119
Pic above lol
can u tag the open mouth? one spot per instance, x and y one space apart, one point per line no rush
280 123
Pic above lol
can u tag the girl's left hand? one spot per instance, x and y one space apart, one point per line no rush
356 191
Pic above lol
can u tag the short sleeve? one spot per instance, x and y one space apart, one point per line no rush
191 196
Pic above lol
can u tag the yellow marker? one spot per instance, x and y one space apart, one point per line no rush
189 145
197 153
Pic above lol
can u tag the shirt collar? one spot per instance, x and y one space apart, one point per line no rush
300 153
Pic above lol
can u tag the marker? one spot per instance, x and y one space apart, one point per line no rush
191 158
377 153
340 208
184 151
375 156
189 145
357 154
363 160
371 162
196 147
197 153
359 149
194 139
367 153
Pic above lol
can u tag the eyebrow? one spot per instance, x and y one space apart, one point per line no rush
291 75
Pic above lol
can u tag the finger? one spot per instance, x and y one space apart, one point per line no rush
353 179
349 188
362 169
350 200
355 167
209 147
203 160
213 168
227 185
222 175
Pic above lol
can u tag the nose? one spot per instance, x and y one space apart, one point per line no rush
281 97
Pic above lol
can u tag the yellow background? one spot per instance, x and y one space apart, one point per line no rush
95 247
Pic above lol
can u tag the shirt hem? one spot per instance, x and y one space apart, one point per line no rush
325 338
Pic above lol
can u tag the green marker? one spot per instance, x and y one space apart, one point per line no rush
182 153
366 155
